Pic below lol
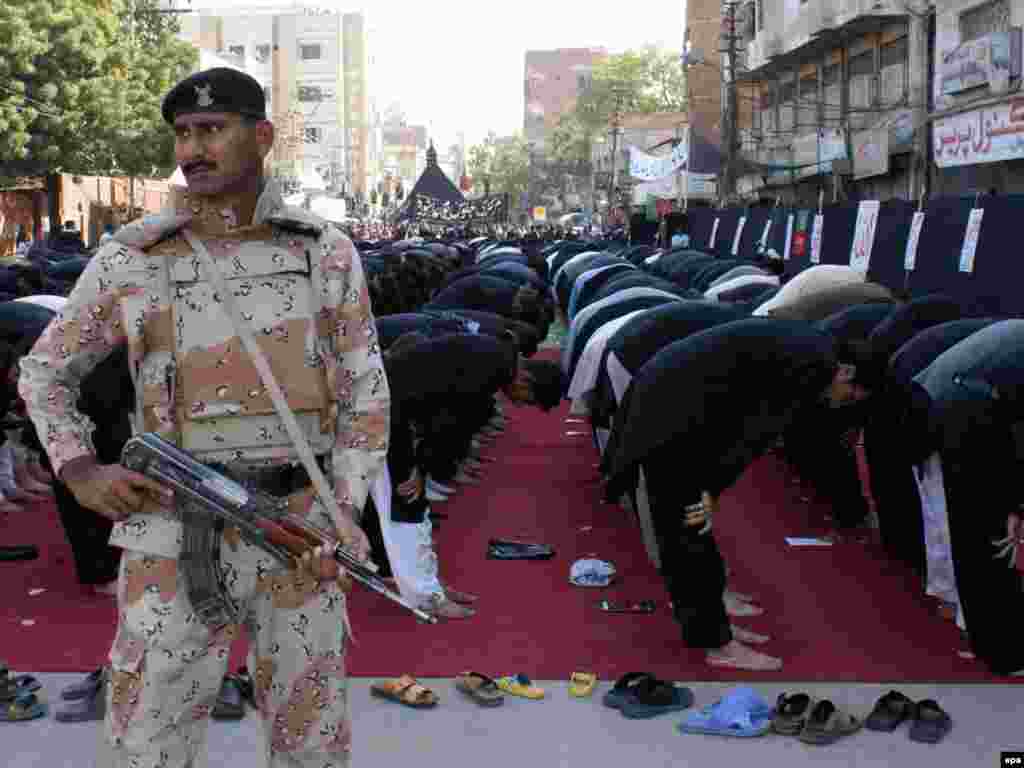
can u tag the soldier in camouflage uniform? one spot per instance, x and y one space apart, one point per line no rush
300 284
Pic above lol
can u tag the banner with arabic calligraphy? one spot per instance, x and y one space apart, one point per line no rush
434 210
654 167
981 136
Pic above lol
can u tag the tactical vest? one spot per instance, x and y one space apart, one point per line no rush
196 385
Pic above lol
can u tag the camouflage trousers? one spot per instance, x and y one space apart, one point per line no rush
167 666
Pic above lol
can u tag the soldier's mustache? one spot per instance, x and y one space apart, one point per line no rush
197 166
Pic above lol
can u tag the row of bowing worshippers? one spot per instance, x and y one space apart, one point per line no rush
689 367
681 360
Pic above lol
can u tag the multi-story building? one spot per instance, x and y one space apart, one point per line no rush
355 113
978 118
312 64
404 151
832 98
552 82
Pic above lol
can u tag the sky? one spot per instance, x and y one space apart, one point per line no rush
459 64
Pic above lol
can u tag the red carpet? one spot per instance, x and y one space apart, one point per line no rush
845 613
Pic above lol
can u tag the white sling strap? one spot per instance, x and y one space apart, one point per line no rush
298 437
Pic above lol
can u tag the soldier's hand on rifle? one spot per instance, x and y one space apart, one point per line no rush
324 567
110 489
354 540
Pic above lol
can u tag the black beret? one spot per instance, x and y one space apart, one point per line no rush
216 90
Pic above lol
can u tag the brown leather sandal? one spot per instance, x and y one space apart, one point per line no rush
405 690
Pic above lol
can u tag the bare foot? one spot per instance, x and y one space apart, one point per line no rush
746 636
449 609
9 507
738 608
735 655
462 598
739 596
464 478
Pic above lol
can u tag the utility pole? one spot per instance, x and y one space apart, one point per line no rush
616 125
729 143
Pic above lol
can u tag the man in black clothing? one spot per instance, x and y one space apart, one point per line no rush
696 415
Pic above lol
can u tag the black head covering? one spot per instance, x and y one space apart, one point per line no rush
216 90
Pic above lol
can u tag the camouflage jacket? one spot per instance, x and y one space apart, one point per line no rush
301 285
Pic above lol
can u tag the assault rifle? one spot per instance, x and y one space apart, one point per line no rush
209 499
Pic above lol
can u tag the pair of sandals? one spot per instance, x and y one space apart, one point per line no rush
929 723
407 691
235 692
641 695
18 700
812 721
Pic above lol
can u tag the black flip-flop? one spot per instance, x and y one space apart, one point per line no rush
889 713
617 695
931 723
652 697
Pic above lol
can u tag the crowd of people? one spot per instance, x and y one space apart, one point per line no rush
680 360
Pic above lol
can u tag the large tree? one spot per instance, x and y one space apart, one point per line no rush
81 83
649 80
500 166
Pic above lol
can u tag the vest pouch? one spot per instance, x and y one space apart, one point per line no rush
225 413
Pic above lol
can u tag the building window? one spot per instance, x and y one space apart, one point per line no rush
787 97
310 52
313 135
862 76
984 19
894 71
314 93
237 50
832 95
263 52
769 121
808 114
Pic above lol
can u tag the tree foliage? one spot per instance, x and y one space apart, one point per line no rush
650 80
500 166
81 83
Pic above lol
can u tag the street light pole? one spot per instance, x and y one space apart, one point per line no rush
616 124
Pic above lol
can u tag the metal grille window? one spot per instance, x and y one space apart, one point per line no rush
310 93
768 113
808 114
832 94
262 52
862 75
760 15
237 50
984 19
787 94
310 51
313 135
894 71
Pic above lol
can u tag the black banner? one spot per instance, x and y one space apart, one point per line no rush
434 211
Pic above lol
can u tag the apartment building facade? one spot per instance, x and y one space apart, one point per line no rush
978 112
552 82
832 99
312 64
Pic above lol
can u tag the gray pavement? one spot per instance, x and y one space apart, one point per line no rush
569 733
